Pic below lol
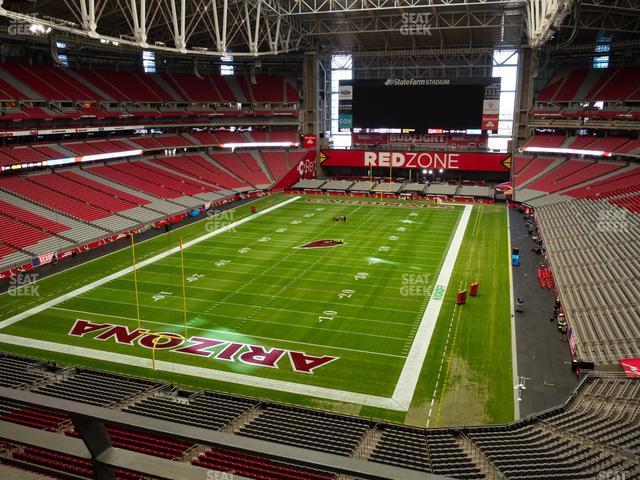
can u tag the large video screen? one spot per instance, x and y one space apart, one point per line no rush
419 105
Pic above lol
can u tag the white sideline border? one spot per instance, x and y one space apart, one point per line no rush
404 389
512 310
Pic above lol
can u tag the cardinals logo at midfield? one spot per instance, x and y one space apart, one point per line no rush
322 244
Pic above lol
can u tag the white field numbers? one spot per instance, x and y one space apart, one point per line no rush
327 315
161 296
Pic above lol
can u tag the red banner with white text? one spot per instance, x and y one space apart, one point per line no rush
485 162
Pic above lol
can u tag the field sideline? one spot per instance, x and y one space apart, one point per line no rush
303 325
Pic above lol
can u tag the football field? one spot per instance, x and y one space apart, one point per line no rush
333 302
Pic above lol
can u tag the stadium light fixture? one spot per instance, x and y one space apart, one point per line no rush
441 170
424 171
38 29
569 151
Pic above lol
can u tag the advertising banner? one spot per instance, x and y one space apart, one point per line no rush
486 162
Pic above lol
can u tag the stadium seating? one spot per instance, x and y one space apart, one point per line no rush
204 409
31 219
436 452
595 266
533 169
65 464
546 141
98 388
82 149
66 84
199 167
607 412
253 466
549 181
578 440
156 446
591 85
308 429
42 419
39 194
237 165
39 153
621 184
277 163
18 371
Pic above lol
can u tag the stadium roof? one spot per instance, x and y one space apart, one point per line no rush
266 27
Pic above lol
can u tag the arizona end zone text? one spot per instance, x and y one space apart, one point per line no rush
446 160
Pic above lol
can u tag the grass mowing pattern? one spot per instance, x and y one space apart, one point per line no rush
274 294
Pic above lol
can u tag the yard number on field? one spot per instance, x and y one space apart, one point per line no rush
161 296
327 315
346 293
195 277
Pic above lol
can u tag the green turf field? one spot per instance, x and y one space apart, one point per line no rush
364 323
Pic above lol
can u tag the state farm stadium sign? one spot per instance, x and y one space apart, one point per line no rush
486 162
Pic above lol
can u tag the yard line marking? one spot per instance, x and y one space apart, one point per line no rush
332 282
403 256
229 332
230 317
394 297
408 380
51 303
243 264
199 372
329 302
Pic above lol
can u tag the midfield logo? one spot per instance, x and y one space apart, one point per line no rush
322 244
203 347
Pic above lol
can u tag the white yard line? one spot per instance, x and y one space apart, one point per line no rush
125 271
514 352
408 380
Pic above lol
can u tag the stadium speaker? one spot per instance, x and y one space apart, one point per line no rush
515 251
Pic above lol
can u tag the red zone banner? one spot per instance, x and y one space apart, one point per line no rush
202 347
484 162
